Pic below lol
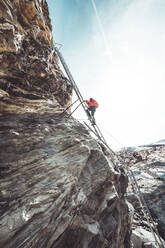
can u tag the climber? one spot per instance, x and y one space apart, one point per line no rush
92 105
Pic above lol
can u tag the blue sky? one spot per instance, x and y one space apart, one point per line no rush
124 70
71 20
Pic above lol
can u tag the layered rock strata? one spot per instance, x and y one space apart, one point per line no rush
58 187
29 71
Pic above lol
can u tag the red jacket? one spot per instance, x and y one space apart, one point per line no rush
91 103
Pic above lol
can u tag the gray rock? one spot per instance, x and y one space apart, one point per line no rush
150 175
136 240
143 238
58 188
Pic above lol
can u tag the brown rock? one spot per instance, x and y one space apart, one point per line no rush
29 70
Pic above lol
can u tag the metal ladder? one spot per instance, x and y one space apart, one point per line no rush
78 93
100 136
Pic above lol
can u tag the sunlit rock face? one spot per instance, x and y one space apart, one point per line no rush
29 71
58 186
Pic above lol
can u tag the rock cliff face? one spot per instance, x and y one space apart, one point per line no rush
57 186
29 71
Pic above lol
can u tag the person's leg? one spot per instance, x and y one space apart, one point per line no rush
88 112
93 110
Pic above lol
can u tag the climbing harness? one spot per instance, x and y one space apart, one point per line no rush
117 160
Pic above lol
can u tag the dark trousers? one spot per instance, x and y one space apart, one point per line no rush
92 110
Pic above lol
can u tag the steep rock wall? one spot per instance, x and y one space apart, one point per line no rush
57 183
29 71
56 186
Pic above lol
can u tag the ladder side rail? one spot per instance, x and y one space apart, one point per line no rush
98 131
72 81
67 71
101 134
70 76
113 164
75 86
105 143
141 203
147 209
145 214
97 134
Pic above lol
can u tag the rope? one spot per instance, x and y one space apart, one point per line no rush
98 134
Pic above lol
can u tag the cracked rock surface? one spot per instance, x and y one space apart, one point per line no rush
56 186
